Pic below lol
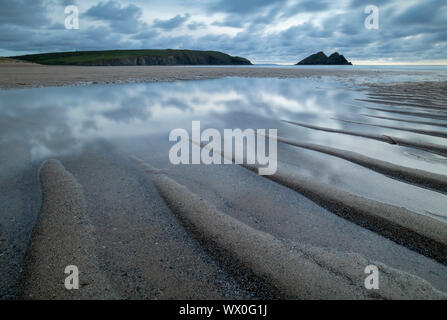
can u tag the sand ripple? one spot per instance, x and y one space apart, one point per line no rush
62 236
291 270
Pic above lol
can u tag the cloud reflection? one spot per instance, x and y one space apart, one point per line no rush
55 121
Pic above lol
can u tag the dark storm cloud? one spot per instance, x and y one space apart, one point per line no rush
363 3
121 18
308 6
261 12
407 30
23 13
425 12
245 6
172 23
112 11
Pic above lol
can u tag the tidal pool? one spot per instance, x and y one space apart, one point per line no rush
36 124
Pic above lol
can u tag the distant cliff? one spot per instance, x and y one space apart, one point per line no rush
135 57
320 58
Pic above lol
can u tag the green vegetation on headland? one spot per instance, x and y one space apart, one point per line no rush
135 57
320 58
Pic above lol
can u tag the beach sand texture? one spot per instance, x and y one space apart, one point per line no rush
27 75
140 228
294 271
70 242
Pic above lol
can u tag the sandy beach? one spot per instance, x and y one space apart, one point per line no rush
224 158
139 227
27 75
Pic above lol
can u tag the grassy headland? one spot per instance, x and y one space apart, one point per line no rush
135 57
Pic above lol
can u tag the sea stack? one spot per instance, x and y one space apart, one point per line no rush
320 58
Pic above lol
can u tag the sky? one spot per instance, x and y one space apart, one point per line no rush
263 31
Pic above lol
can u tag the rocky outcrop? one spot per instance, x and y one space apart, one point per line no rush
320 58
337 59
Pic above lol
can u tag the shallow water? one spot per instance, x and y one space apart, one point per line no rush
135 120
54 122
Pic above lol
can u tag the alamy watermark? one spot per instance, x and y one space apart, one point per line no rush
72 17
372 280
72 281
372 20
212 152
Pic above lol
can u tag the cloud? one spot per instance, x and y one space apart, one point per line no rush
196 25
122 19
129 109
426 12
260 30
243 7
23 13
172 23
364 3
309 6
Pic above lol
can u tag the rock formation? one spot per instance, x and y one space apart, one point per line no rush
320 58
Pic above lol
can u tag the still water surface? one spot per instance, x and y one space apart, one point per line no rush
41 123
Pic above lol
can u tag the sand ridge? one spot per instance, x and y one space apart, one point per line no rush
294 271
423 234
62 236
426 146
424 179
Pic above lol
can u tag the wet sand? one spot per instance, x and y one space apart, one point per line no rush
277 266
433 133
25 75
422 234
143 249
62 236
426 146
435 124
425 179
211 232
428 115
133 245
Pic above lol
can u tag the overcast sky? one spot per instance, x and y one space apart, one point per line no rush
264 31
